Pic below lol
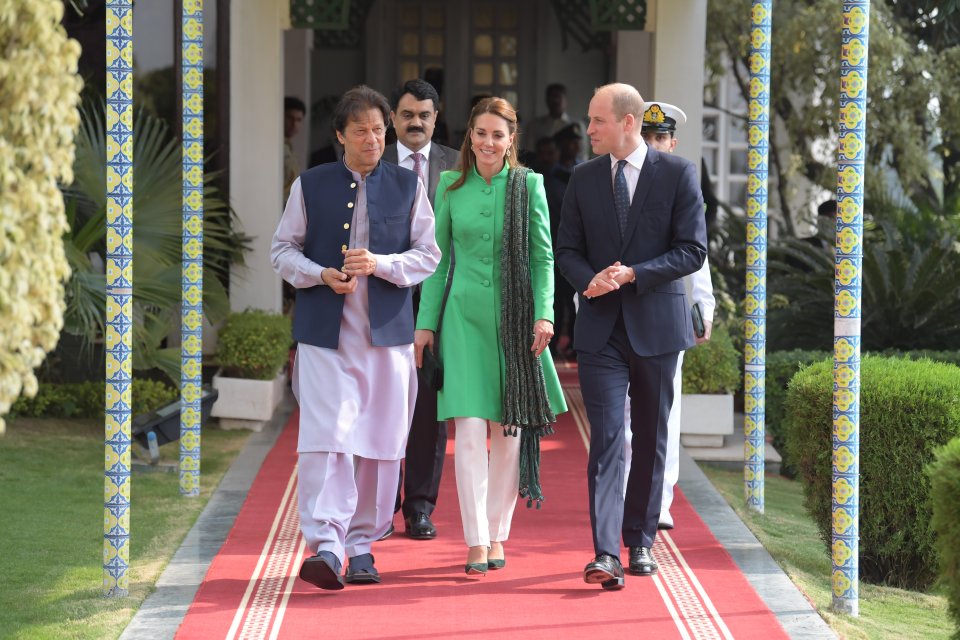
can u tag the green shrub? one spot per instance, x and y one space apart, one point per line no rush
254 344
714 366
781 367
944 476
86 399
907 409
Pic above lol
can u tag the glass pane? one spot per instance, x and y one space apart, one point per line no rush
508 47
512 98
483 46
710 159
409 44
482 17
710 129
507 17
433 15
736 130
409 69
738 161
483 74
508 73
409 14
433 45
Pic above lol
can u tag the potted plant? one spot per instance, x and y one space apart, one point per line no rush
711 375
252 349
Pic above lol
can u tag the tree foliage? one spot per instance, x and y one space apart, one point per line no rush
913 121
39 93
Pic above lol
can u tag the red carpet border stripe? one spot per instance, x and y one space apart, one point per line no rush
280 554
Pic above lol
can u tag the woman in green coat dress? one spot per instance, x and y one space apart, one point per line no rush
496 326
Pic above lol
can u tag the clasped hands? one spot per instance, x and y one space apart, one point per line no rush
357 262
610 279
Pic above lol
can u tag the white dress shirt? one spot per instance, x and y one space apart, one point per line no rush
631 170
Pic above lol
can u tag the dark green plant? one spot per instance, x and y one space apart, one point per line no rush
254 344
85 399
907 410
911 285
781 367
157 222
714 366
944 476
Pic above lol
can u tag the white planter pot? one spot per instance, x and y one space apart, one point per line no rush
705 419
246 399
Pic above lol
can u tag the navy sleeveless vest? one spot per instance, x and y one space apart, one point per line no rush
329 194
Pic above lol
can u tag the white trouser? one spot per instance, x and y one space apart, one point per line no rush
486 487
671 472
346 502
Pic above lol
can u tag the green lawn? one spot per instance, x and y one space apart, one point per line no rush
51 527
791 537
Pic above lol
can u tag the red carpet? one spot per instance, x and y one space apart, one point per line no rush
251 590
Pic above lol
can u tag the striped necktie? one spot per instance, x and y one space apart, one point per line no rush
418 166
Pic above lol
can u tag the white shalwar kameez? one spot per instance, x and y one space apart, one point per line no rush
356 401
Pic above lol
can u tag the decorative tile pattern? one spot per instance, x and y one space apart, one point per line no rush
118 335
754 352
191 305
847 310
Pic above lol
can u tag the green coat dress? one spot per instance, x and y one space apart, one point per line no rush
471 218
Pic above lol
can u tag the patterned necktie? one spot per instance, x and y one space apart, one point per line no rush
621 197
418 166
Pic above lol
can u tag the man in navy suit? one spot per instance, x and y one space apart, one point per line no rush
631 228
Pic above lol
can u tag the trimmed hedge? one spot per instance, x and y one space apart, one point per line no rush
781 367
254 344
907 410
86 399
944 476
714 366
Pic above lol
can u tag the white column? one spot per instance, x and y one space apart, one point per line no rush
256 144
679 48
634 63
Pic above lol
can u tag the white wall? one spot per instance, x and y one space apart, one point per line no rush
256 143
679 49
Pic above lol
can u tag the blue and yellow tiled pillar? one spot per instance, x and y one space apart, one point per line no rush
847 310
191 306
755 304
118 335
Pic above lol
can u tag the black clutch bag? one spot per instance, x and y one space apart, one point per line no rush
432 370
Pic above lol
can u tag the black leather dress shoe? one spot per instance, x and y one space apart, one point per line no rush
606 571
419 527
322 570
642 562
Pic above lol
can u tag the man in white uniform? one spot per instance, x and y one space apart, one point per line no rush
659 131
354 237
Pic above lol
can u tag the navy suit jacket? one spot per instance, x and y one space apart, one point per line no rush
666 239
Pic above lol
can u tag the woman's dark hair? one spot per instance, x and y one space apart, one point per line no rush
498 107
355 101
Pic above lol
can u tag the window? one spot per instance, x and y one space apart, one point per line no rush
725 142
494 36
421 42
